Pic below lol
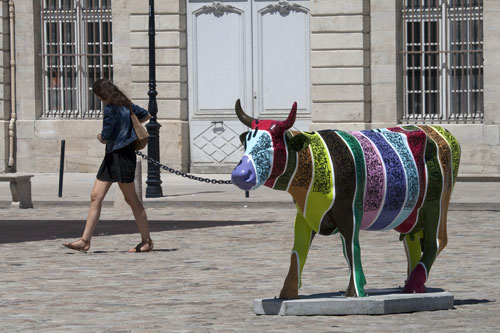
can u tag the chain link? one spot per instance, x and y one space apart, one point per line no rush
183 174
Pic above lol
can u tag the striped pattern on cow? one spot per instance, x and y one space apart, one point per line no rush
379 179
390 180
397 178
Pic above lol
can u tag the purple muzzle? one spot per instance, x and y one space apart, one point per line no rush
244 175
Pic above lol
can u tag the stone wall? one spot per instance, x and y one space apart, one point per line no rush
385 63
480 143
4 84
357 75
340 74
39 139
131 58
356 81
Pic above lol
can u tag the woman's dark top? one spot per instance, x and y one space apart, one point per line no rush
117 128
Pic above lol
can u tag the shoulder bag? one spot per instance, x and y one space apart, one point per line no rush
141 133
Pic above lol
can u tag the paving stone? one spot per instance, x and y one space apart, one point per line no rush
206 279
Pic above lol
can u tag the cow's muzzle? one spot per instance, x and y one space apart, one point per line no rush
244 175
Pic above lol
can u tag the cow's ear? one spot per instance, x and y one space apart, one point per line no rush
243 138
299 142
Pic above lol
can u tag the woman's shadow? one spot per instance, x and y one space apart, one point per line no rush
126 252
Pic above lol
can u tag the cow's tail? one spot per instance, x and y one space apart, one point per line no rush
456 153
450 173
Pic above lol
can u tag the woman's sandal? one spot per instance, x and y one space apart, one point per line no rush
138 248
84 248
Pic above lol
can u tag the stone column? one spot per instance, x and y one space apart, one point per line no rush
340 74
491 28
4 84
171 72
28 81
386 75
491 122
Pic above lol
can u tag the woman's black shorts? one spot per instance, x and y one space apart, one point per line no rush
118 166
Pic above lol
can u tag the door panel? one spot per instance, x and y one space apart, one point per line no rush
257 51
219 42
281 58
220 33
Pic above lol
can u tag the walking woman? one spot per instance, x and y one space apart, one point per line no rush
118 165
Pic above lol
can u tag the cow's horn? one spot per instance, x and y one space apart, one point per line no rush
242 116
288 123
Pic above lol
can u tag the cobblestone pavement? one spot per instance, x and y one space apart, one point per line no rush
205 280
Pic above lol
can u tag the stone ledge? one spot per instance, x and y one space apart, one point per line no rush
378 302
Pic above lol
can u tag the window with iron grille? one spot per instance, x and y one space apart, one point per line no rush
77 50
443 60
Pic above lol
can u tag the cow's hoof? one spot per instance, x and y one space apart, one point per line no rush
289 294
416 282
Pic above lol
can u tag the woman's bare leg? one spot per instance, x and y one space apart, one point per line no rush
96 198
141 219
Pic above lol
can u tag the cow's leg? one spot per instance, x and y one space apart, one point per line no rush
419 274
303 236
413 249
352 253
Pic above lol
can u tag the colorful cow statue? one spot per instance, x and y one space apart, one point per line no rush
391 178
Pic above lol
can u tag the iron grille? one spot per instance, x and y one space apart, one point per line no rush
77 50
443 60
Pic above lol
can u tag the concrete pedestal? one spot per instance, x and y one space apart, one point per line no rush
378 302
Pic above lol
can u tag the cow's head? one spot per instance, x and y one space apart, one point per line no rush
266 149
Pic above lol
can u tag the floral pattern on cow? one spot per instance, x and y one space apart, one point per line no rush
397 178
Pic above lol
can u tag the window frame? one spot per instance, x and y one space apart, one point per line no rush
77 50
449 73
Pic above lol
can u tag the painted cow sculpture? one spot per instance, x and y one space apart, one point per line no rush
392 178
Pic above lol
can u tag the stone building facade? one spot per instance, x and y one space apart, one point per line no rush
356 81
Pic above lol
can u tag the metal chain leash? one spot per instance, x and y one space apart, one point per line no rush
183 174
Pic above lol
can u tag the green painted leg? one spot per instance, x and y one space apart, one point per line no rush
303 236
350 291
357 279
431 224
420 273
413 249
359 276
349 233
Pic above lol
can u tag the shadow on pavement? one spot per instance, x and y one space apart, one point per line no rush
16 231
459 302
68 251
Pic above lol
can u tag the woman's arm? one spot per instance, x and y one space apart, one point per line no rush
99 137
141 113
108 125
144 119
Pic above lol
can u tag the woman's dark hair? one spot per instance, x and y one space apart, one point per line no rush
110 93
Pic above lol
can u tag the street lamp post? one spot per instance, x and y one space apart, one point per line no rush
153 182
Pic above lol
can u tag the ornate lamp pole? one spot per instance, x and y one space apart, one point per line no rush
153 188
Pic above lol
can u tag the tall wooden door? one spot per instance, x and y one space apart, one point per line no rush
257 51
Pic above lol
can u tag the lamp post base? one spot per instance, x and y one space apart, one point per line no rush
153 189
153 182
